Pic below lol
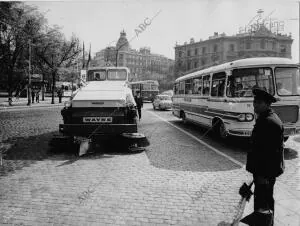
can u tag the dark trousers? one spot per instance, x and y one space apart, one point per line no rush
140 112
263 194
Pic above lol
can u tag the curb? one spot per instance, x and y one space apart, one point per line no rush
25 106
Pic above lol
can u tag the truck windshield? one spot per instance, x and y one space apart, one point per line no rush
118 75
96 75
242 81
287 81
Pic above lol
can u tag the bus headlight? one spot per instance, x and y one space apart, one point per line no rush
241 117
249 117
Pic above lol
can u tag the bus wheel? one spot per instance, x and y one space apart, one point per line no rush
220 130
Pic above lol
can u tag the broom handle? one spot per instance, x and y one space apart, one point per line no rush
241 207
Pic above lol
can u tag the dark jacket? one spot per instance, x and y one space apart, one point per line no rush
138 101
266 157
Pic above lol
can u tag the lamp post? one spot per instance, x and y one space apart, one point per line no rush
29 73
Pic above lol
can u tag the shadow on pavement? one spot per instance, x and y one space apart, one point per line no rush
24 151
182 153
290 153
19 152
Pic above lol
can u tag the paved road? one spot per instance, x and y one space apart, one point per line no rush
177 181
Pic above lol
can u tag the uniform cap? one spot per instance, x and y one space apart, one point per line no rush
261 94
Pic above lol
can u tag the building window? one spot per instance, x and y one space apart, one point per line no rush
203 50
195 64
283 49
231 47
215 48
203 62
273 45
262 44
180 54
189 65
196 52
189 52
248 44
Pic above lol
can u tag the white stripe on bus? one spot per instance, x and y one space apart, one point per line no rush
200 141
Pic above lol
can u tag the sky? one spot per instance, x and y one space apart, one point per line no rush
160 24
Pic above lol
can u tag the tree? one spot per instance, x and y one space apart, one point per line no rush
56 52
18 23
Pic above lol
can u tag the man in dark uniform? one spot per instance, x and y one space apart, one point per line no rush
139 103
265 161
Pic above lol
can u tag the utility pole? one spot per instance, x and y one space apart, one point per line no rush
29 73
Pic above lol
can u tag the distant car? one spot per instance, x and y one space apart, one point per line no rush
162 102
168 92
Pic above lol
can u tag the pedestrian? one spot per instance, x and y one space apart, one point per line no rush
32 95
265 160
59 94
37 96
139 103
18 90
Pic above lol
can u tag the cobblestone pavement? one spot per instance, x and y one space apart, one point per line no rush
176 181
287 187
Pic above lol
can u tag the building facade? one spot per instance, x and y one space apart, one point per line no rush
220 48
140 62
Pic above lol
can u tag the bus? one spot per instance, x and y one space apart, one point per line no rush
220 97
148 89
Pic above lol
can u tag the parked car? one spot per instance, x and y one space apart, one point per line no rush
162 102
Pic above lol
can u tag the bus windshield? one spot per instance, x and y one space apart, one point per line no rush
287 81
146 86
242 81
117 75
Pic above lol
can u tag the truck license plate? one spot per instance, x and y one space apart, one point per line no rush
97 119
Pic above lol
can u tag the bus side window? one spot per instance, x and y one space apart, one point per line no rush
206 85
197 86
176 88
181 87
188 86
218 84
